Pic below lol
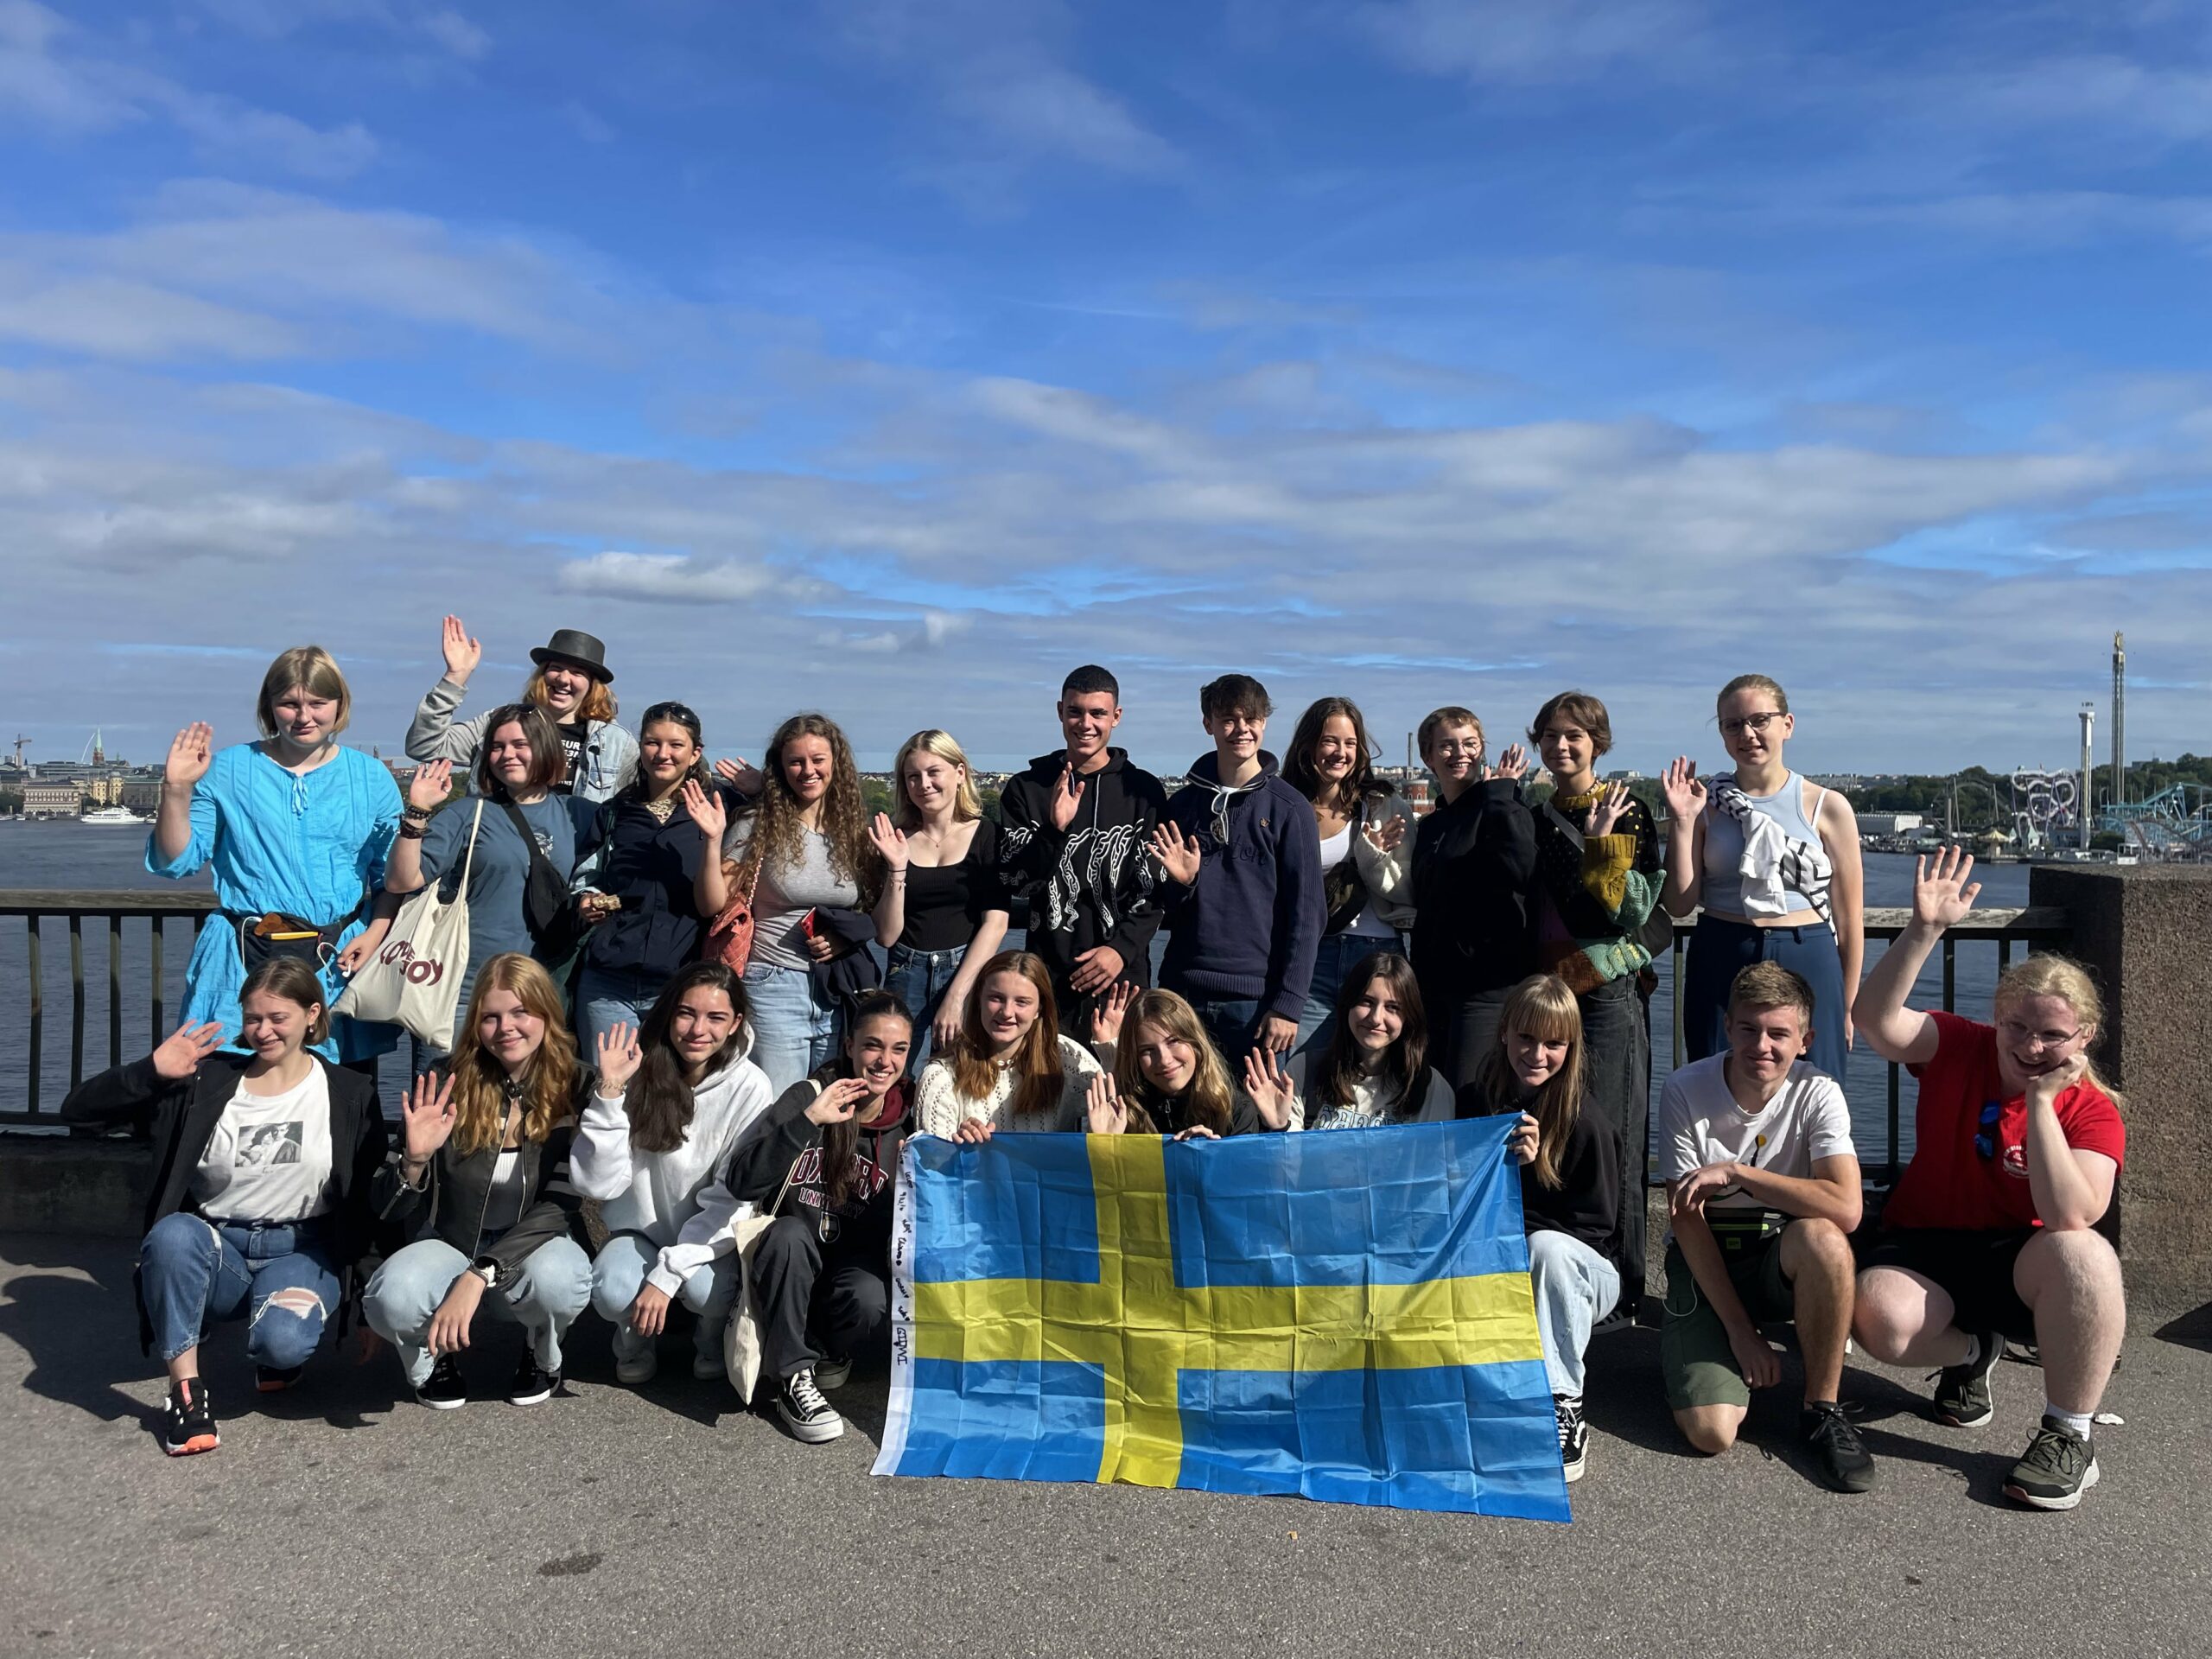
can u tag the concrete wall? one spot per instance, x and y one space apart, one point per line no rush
64 1183
2145 931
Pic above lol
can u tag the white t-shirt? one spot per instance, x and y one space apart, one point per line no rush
1700 1124
269 1159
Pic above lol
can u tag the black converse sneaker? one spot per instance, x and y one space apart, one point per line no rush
2057 1467
443 1389
830 1374
1573 1433
1839 1457
187 1424
533 1385
1962 1391
804 1412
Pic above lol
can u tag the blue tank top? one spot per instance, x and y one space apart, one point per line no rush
1722 888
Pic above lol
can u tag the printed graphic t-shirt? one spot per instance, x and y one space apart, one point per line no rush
1949 1183
269 1159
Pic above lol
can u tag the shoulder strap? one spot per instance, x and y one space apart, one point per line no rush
1564 824
468 862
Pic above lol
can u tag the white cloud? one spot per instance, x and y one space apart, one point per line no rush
666 578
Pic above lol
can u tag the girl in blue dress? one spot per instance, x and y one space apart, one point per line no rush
297 828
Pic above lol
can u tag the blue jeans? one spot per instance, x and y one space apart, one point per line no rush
605 999
192 1272
1575 1288
793 1029
920 979
1718 950
544 1298
1339 953
619 1273
1232 1023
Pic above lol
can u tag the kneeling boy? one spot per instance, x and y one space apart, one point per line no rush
1763 1186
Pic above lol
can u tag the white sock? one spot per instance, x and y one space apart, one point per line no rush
2076 1420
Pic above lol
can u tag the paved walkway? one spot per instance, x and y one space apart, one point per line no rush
343 1519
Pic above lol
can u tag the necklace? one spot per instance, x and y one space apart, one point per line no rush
662 810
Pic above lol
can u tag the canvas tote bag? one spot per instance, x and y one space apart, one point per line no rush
741 1336
415 977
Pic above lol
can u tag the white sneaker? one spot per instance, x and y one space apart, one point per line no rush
708 1368
636 1372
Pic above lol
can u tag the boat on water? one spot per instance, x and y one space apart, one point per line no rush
112 815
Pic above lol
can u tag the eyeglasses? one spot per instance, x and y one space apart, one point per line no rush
1985 1140
1737 724
2018 1034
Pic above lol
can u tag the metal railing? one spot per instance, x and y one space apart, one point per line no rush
2032 926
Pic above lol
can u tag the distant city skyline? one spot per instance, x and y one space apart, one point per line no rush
893 356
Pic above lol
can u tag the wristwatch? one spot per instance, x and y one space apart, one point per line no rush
486 1269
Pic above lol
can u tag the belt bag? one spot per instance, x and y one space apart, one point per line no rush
415 977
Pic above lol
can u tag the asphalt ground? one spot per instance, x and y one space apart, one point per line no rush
343 1519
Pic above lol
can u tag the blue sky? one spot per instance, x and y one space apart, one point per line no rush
893 356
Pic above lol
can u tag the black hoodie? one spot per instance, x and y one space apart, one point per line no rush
1092 884
1474 863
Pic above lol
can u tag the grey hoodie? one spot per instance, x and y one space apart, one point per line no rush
610 753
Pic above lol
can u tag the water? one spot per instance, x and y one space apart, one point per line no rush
74 855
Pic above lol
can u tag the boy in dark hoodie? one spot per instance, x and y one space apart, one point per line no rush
1073 838
1242 852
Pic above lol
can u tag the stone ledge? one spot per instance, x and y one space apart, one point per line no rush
57 1184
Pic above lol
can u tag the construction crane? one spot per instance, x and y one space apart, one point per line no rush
22 743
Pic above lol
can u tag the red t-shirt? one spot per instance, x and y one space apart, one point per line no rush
1948 1183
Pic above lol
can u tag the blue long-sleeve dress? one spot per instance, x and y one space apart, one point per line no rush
308 845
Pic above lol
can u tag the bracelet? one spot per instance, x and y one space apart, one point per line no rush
411 832
422 813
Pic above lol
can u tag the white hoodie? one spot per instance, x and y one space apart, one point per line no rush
678 1199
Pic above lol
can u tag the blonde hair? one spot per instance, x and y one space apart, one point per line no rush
1754 682
598 703
1543 1008
2047 974
967 804
312 668
1211 1101
479 1082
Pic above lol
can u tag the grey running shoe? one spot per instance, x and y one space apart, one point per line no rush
2057 1467
1839 1458
1962 1391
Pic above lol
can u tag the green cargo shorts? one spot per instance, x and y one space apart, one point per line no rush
1695 1359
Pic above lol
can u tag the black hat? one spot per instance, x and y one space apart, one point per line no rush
582 649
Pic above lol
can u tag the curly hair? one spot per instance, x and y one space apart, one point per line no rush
776 841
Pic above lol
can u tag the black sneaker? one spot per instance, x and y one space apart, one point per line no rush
533 1385
444 1389
804 1412
1962 1391
2057 1467
1574 1434
270 1379
1839 1458
186 1425
832 1373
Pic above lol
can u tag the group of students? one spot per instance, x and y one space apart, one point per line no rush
741 1070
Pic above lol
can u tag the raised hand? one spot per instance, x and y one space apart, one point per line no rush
1384 834
1941 897
1513 764
1611 805
619 1059
1523 1144
1108 1013
432 782
1269 1085
1178 853
838 1103
890 841
1067 795
705 807
1683 788
180 1053
426 1114
190 753
1106 1113
741 775
463 651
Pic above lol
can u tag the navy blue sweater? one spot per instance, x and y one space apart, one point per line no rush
1250 926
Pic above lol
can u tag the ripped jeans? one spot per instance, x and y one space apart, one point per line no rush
278 1275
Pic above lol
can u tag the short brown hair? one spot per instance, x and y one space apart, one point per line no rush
1449 715
548 755
1585 711
1755 682
1770 985
310 666
1235 694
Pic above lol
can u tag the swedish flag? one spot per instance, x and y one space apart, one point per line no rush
1342 1315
